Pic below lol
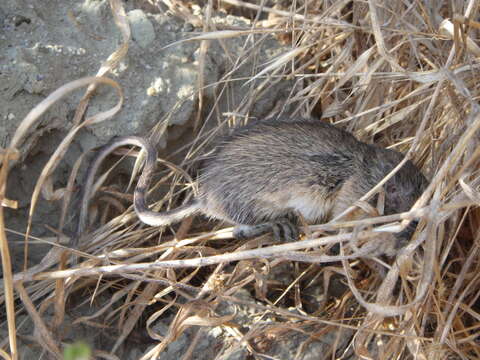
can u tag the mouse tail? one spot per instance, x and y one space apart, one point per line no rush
147 216
164 218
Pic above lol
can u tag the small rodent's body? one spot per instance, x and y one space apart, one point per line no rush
265 169
265 174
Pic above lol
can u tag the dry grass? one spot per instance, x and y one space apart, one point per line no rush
393 72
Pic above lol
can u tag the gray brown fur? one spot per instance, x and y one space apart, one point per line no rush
264 174
265 170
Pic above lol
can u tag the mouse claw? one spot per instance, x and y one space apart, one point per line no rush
285 230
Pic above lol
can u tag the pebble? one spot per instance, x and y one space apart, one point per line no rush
142 29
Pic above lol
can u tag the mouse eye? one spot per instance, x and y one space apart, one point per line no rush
391 188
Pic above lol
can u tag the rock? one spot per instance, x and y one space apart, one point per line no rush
142 29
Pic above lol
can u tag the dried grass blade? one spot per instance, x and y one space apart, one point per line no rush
182 11
207 321
136 168
393 119
108 306
459 282
7 264
142 302
280 61
223 34
63 146
451 316
12 204
69 190
265 252
354 69
382 49
120 19
201 68
4 355
45 337
152 318
28 122
447 28
290 15
472 194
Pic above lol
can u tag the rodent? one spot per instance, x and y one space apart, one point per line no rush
264 174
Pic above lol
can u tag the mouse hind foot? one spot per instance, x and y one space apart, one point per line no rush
285 228
243 232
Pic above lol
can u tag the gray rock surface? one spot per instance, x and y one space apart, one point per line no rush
142 29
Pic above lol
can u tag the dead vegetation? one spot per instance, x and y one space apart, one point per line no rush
400 74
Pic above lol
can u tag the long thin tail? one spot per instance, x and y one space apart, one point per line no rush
153 218
151 157
141 208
